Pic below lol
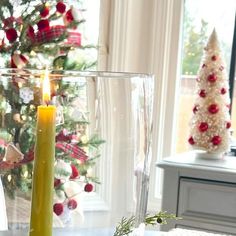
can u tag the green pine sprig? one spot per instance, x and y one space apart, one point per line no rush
126 225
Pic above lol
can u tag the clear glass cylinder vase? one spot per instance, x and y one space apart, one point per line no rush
102 147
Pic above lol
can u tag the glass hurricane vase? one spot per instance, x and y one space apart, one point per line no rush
103 125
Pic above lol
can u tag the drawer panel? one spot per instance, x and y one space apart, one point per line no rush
207 200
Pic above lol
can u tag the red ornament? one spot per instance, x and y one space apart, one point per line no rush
195 109
191 141
88 187
75 172
214 58
212 78
58 208
213 108
11 35
228 124
44 11
43 25
223 91
202 93
69 16
72 204
203 127
61 7
216 140
57 182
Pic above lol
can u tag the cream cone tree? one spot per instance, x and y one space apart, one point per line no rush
210 123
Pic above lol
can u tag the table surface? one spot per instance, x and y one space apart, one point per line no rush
189 160
74 232
109 232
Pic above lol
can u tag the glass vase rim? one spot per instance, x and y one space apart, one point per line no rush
60 72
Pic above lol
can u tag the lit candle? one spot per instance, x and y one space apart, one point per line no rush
43 175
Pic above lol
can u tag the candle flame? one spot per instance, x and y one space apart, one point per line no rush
46 88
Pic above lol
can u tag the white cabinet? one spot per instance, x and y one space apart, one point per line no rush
202 192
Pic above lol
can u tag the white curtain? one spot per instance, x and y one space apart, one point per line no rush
144 36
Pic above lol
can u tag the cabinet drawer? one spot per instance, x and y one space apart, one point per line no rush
207 200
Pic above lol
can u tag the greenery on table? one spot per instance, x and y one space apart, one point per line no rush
127 225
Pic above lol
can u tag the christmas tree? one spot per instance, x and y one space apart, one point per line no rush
42 33
210 123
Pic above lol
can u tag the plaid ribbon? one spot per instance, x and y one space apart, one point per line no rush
73 150
52 33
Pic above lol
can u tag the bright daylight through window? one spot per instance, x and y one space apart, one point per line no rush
198 23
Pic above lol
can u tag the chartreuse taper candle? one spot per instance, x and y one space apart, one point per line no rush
43 174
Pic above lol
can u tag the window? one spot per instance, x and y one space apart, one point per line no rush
90 31
198 23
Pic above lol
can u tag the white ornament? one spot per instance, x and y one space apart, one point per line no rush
62 170
76 114
26 94
78 110
59 111
72 188
59 115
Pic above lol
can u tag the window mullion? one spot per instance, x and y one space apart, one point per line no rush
232 66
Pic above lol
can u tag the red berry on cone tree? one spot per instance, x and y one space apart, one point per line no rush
209 125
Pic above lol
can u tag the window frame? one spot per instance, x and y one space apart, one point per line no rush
232 66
